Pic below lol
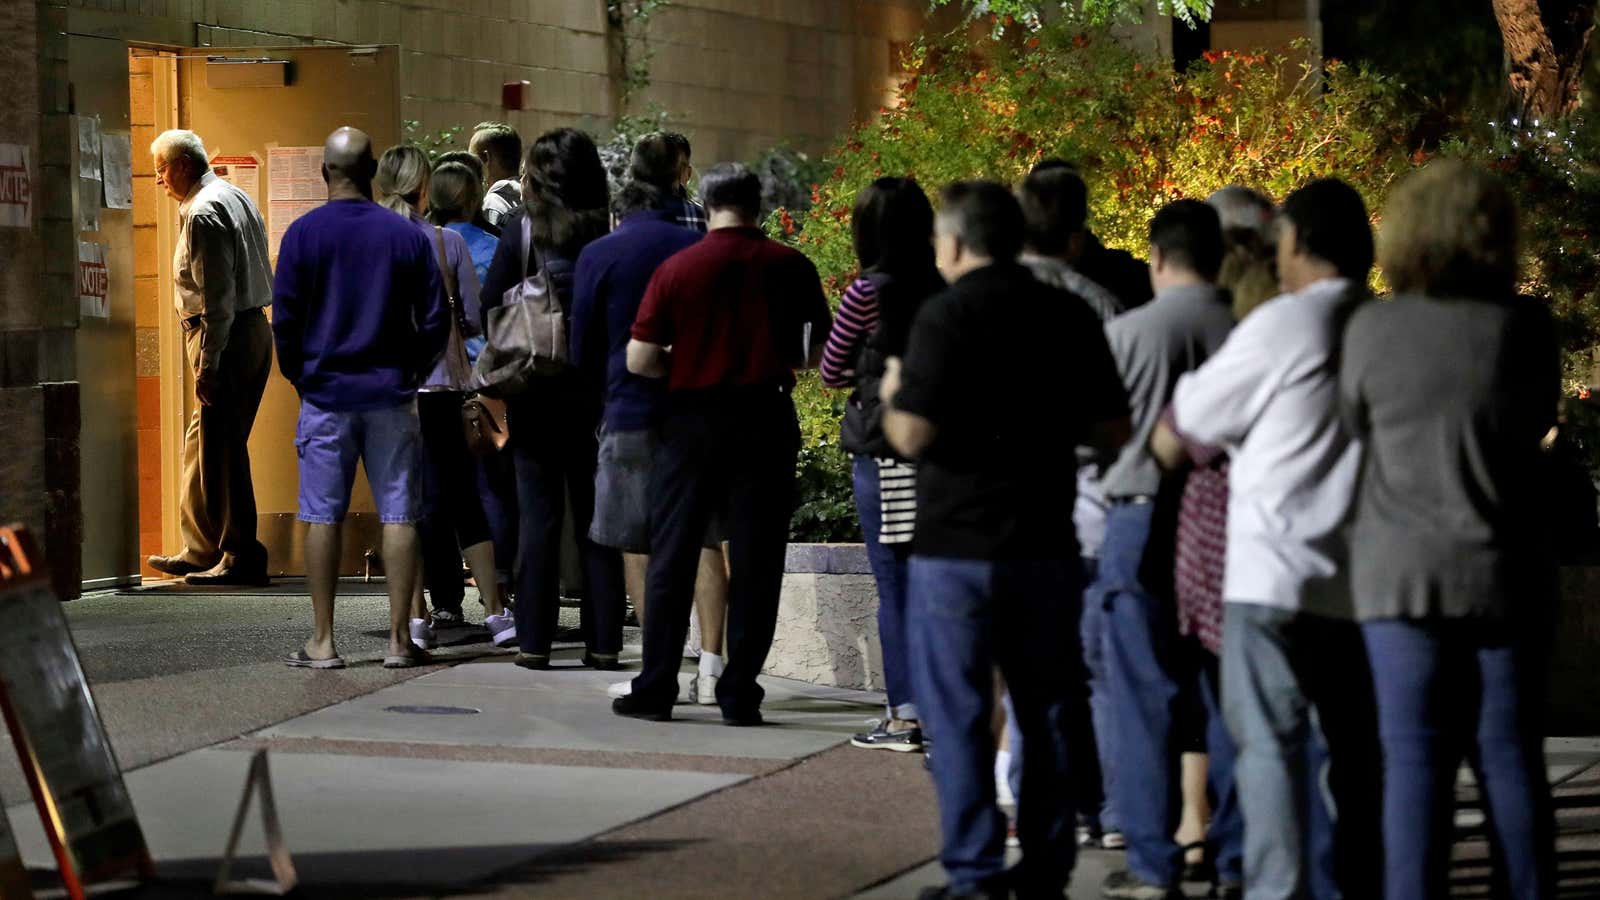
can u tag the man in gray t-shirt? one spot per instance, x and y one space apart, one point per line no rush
1153 345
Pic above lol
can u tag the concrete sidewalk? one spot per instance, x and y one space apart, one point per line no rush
481 779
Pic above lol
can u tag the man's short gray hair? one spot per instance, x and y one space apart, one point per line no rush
178 142
1244 209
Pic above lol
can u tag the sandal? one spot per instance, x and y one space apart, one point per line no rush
410 660
1202 870
300 660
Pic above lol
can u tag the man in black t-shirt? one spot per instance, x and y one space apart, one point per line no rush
1002 379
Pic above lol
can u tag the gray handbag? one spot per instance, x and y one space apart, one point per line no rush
527 332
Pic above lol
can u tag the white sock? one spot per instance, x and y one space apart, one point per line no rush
710 664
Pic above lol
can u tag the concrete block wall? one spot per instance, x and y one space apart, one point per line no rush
738 76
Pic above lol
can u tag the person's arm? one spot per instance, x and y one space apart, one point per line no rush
429 308
211 260
854 323
288 307
648 356
918 389
505 270
1352 402
467 283
1217 404
814 311
910 434
587 326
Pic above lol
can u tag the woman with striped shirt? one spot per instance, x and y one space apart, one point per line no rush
893 230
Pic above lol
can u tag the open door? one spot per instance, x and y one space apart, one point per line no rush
260 104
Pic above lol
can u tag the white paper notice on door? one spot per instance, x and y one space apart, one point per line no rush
294 188
243 172
94 281
16 187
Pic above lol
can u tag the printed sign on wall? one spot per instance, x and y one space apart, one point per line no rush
16 187
94 281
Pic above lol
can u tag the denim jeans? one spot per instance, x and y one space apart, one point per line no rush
1094 804
1454 689
1294 684
889 571
1225 835
967 617
1138 644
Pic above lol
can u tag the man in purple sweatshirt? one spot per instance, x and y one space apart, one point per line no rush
359 316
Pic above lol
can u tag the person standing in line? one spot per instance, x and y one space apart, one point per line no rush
892 229
740 313
453 525
686 210
994 577
1055 207
609 285
500 148
221 280
1451 385
1294 673
1153 346
359 316
553 422
496 480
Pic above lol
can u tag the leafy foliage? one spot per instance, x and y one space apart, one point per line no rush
1033 14
1142 136
433 143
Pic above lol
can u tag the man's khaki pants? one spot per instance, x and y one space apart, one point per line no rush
217 517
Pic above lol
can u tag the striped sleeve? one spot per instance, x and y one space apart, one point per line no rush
855 321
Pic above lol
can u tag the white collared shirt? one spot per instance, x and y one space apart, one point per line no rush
220 267
1270 397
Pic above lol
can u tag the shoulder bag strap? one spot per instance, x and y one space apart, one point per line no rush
448 274
527 243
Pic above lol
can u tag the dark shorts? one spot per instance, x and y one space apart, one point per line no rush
388 442
622 492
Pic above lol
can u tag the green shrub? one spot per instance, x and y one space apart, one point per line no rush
1141 134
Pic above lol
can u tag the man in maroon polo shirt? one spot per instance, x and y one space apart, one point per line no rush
726 322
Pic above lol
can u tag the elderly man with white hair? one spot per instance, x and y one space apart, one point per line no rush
222 282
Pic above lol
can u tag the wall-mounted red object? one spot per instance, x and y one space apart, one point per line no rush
515 95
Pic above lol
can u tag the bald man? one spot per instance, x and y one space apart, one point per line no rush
359 317
221 281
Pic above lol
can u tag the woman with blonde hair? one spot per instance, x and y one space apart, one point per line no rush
453 523
1451 386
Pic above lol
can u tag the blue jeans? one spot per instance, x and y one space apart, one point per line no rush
1225 836
967 617
889 570
1448 690
1297 698
1094 803
1138 644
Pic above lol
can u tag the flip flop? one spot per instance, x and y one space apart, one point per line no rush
410 660
299 660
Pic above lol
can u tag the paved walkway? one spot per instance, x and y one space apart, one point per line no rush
482 779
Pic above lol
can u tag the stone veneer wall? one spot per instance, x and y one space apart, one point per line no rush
828 619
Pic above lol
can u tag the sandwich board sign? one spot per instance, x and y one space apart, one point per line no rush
61 743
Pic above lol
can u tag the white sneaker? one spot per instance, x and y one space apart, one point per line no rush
502 629
686 690
422 634
705 689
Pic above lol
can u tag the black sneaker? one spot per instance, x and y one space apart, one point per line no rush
748 718
905 740
1128 886
634 708
448 618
